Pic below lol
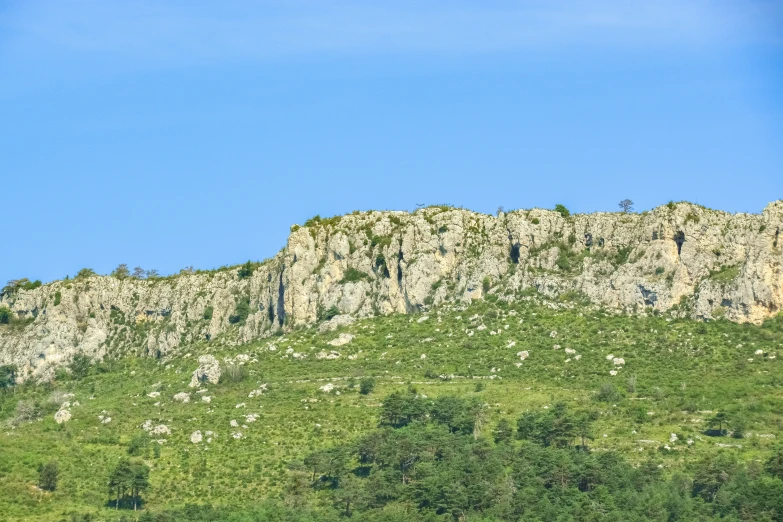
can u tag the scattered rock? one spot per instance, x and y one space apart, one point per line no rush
62 415
342 339
182 397
330 355
336 322
196 437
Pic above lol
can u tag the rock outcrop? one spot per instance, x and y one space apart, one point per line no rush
208 371
680 257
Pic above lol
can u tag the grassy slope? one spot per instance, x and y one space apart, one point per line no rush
696 366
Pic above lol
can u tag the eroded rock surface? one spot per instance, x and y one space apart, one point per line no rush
707 263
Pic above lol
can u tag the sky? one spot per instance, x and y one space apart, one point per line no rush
174 133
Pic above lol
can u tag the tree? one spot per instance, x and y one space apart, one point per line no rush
560 209
138 445
626 205
719 419
48 475
85 272
401 408
138 273
121 272
151 274
350 493
774 465
7 376
503 432
140 481
129 477
246 270
366 385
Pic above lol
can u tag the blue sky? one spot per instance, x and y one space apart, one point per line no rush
174 133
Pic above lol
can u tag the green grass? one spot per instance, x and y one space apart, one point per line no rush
683 370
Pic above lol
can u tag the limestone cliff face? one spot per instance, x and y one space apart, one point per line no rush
705 263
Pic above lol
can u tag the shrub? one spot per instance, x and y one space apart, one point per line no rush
560 209
7 376
80 366
313 221
208 311
6 315
366 385
246 270
353 276
138 445
486 284
535 221
330 312
58 296
608 393
241 311
233 373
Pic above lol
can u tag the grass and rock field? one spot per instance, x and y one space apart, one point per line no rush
655 386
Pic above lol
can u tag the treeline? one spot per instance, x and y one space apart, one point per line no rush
433 460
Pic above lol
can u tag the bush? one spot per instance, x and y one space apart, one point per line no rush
560 209
330 312
535 221
366 385
6 315
80 366
486 284
58 297
241 311
246 270
138 445
608 393
353 276
7 376
208 311
233 373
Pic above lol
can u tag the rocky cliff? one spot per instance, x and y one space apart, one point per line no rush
680 258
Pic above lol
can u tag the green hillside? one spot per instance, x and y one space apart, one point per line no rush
690 418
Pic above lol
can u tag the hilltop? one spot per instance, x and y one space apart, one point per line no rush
680 259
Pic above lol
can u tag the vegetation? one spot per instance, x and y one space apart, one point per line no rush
6 315
686 427
366 385
48 475
353 275
247 270
121 272
626 205
560 209
7 377
241 311
80 366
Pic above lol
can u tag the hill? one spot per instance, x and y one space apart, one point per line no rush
679 259
512 407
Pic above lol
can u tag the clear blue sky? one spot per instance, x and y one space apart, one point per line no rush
172 133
